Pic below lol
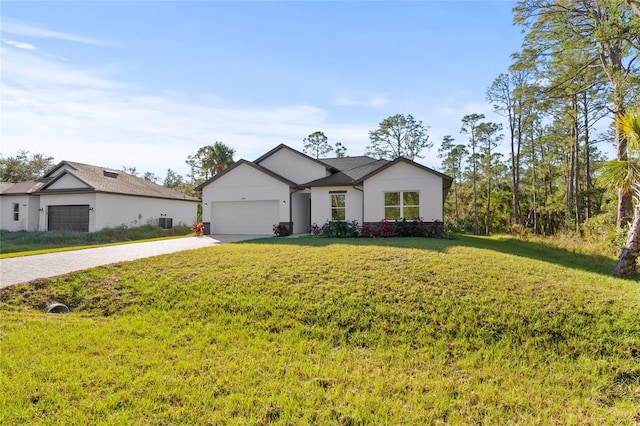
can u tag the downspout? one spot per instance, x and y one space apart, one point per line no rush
353 183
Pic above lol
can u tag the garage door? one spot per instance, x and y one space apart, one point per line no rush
244 217
69 218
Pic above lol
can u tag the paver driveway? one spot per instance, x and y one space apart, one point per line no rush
15 270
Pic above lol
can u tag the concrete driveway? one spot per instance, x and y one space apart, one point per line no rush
15 270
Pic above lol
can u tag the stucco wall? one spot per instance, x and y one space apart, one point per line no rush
111 210
245 183
321 204
67 182
403 177
294 166
28 213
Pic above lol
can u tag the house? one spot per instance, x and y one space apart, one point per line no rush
285 186
80 197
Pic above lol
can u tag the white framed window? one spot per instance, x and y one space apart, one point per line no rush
16 212
402 205
338 205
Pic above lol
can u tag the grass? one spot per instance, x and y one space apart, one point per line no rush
28 243
320 331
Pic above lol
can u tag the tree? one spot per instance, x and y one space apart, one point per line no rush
507 95
151 177
452 158
221 158
210 160
627 174
24 166
487 134
399 136
340 149
469 127
133 171
603 33
316 145
175 181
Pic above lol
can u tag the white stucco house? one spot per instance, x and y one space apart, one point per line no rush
80 197
285 186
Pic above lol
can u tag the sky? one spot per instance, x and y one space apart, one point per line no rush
145 84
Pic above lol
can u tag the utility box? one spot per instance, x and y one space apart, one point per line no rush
165 222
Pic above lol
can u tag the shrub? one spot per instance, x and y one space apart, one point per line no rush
340 229
315 229
281 230
198 228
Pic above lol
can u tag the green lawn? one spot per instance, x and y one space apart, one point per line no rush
326 331
24 243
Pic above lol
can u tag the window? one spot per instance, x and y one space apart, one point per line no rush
16 211
338 209
402 205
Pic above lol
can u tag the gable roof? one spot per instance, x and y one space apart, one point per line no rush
302 154
250 164
355 170
100 179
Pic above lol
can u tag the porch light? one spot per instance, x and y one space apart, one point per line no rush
284 202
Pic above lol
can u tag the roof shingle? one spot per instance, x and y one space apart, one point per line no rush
101 179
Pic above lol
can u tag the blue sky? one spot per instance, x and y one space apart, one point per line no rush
145 84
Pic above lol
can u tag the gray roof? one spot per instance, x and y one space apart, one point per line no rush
345 171
26 187
101 179
352 170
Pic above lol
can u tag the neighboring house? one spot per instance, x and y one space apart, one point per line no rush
287 187
80 197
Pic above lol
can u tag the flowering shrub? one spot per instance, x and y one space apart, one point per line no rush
198 228
281 230
380 229
315 229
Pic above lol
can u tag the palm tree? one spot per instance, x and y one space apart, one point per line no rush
626 175
220 157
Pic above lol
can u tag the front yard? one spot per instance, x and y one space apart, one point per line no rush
328 331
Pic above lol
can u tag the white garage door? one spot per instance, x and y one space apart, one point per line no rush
244 217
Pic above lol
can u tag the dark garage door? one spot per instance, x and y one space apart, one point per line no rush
69 218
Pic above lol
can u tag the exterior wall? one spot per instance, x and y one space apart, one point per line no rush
47 200
301 213
321 204
294 167
112 210
28 215
403 177
67 182
245 183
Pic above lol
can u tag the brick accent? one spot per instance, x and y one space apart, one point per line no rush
403 228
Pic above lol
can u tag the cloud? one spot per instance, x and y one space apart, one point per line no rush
31 30
24 68
87 115
20 45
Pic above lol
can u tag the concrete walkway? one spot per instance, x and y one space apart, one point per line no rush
15 270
